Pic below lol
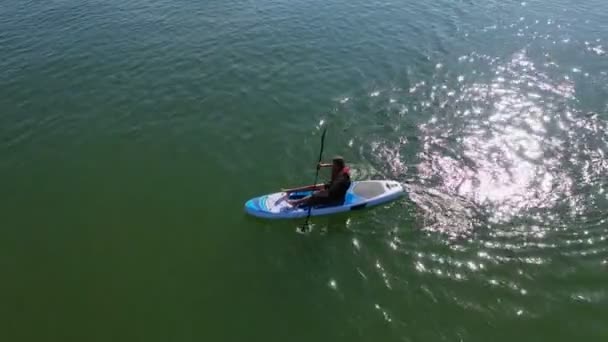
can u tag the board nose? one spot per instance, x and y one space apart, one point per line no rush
252 206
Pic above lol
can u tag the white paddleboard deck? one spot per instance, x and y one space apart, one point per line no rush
360 195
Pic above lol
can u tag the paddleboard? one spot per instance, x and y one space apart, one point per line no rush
360 195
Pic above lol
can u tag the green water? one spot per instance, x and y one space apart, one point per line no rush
132 133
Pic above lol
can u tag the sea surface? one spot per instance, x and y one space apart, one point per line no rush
132 133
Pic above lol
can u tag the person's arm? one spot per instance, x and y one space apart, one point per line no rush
320 165
305 188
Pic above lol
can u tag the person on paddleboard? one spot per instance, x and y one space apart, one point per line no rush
332 193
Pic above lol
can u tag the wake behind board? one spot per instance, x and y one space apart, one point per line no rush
360 195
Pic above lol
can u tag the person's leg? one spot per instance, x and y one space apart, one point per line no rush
315 199
298 202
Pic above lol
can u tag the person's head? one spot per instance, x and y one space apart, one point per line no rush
337 164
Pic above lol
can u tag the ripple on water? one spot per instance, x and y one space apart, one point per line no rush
508 167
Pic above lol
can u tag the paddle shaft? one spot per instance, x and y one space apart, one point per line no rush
317 173
304 188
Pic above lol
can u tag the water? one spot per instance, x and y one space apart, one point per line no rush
131 134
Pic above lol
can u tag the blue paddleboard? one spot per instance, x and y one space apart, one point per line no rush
360 195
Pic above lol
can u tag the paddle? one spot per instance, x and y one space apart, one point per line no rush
304 228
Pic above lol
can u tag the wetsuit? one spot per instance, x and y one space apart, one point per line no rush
335 191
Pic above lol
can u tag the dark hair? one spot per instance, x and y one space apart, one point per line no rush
338 161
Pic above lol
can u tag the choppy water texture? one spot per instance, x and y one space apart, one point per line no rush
132 132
